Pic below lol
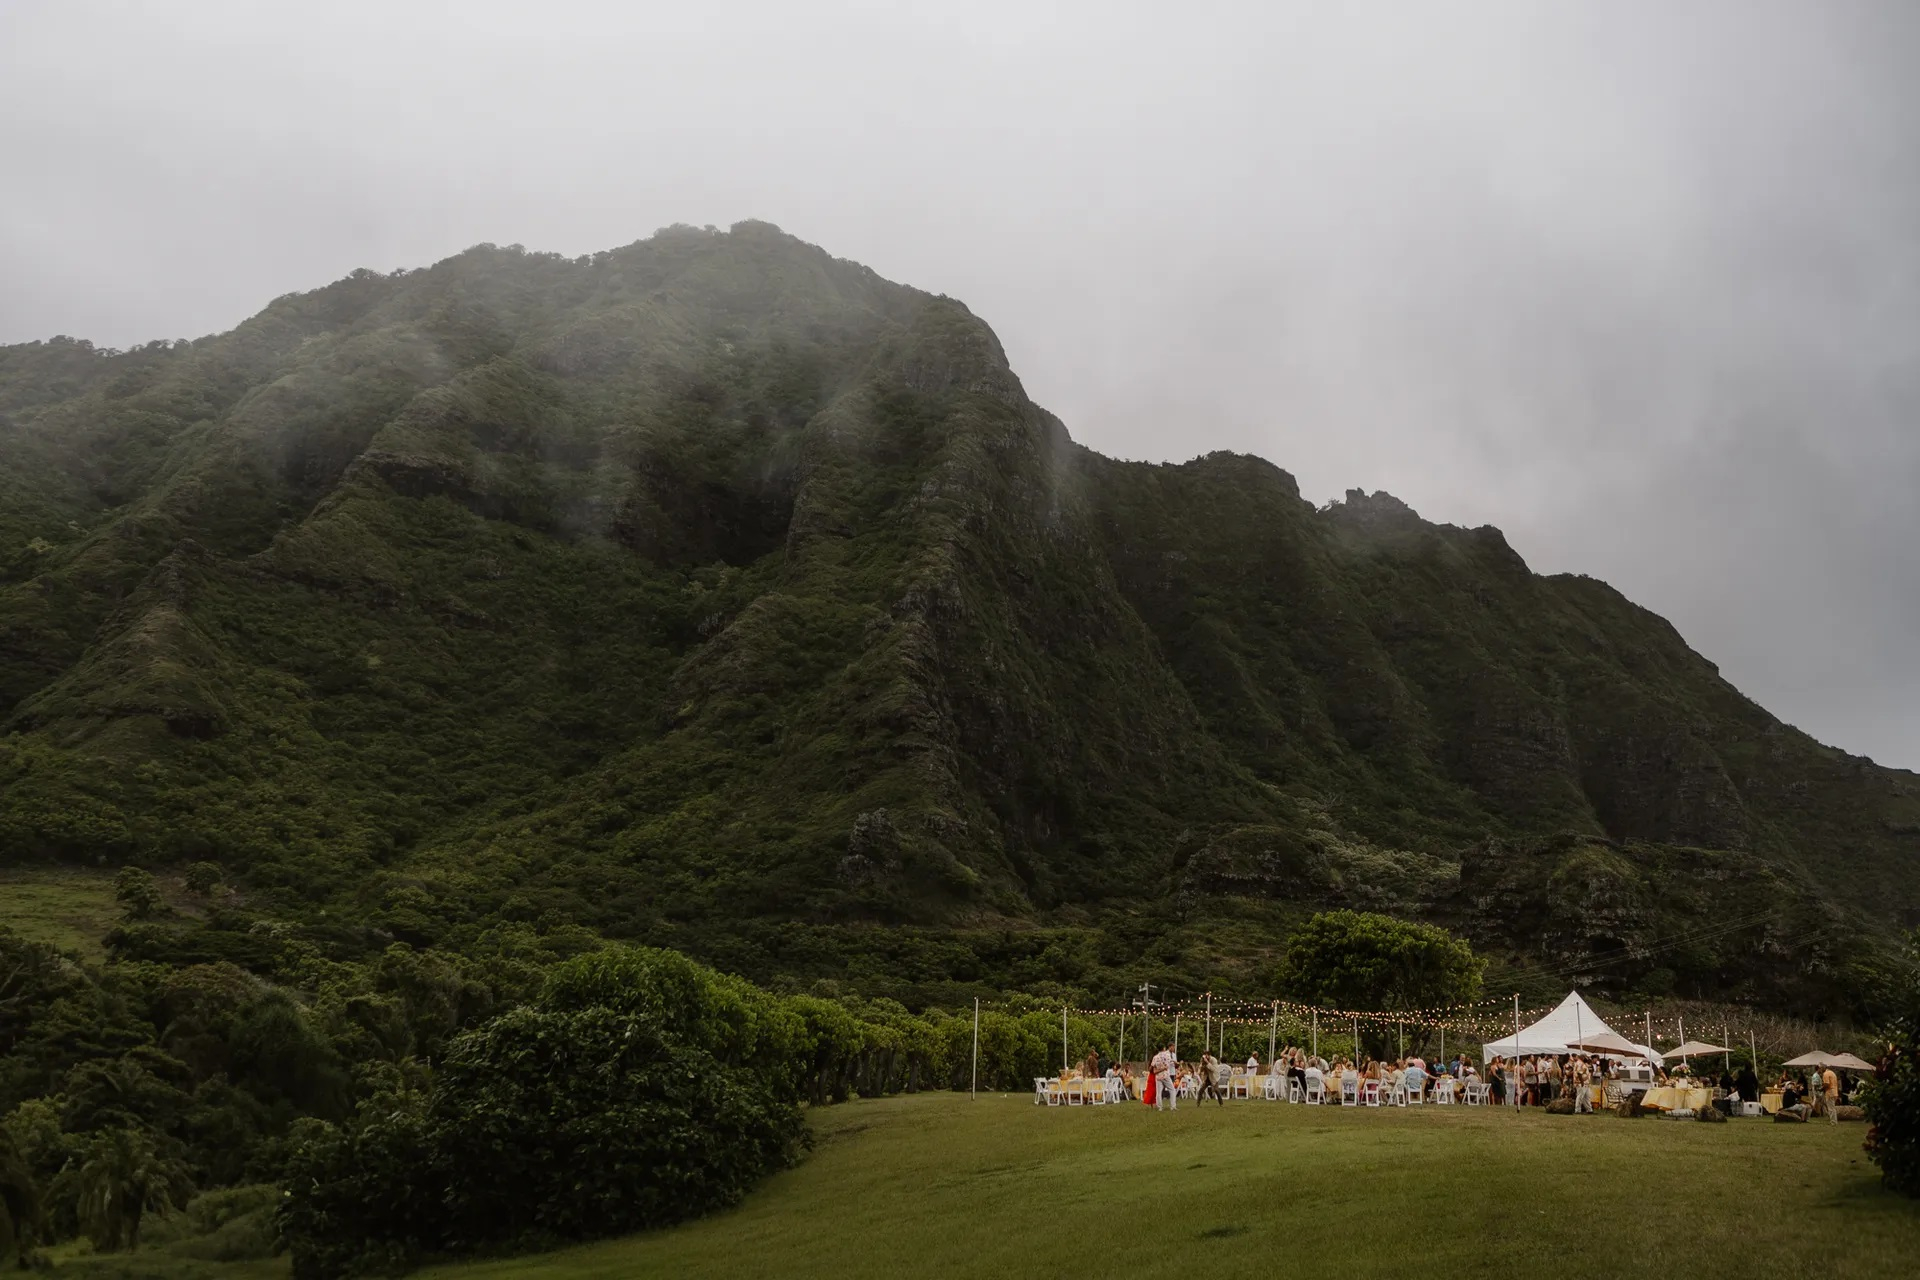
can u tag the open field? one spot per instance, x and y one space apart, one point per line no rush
936 1185
71 909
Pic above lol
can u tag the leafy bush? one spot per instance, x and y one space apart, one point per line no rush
547 1124
1892 1104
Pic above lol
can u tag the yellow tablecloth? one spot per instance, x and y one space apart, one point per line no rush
1770 1100
1671 1099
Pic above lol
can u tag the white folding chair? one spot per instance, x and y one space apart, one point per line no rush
1316 1091
1414 1097
1296 1091
1370 1093
1349 1089
1270 1087
1054 1094
1443 1092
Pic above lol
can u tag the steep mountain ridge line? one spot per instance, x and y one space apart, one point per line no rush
729 578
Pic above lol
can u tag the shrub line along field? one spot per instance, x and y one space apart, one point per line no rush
943 1185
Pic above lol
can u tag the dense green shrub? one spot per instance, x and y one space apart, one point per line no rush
1892 1104
553 1124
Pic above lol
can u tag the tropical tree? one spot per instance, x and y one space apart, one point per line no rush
136 892
1359 960
203 878
119 1178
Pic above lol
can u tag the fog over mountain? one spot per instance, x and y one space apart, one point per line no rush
1635 282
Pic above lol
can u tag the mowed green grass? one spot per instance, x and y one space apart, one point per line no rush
939 1185
73 910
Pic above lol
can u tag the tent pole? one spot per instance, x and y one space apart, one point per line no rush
1649 1029
1207 1038
1316 1033
1726 1059
1176 1035
975 1091
1515 1079
1273 1033
1755 1055
1123 1037
1063 1039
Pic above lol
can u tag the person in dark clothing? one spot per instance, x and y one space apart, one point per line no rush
1747 1085
1497 1077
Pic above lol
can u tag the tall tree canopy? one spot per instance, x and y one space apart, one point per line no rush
1359 960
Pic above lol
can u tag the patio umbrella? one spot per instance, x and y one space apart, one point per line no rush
1851 1063
1606 1042
1692 1047
1817 1058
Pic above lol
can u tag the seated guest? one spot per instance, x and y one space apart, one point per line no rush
1415 1078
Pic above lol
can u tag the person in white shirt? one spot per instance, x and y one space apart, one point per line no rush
1253 1064
1163 1094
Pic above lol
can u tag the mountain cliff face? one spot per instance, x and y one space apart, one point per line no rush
713 579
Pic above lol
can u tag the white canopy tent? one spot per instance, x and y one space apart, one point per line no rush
1572 1019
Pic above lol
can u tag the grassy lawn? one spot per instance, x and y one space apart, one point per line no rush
936 1185
73 910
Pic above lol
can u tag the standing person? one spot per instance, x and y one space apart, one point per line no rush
1497 1078
1830 1084
1582 1088
1210 1079
1163 1065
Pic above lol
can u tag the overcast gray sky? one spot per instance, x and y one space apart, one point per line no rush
1637 282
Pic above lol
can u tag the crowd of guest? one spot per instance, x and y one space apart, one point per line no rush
1535 1080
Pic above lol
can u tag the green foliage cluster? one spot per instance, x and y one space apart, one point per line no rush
1359 960
1893 1103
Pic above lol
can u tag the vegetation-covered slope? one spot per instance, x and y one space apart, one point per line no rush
712 583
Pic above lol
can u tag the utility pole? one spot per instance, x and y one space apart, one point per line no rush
1145 1004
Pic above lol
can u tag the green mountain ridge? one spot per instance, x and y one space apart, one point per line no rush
713 585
